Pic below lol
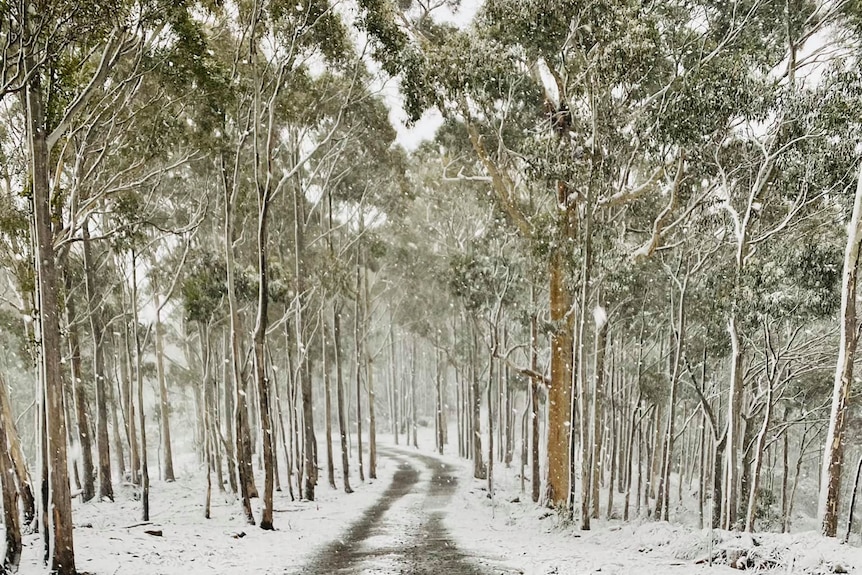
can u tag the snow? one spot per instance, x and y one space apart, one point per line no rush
110 538
504 534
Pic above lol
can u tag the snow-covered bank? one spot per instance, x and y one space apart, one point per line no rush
110 539
509 531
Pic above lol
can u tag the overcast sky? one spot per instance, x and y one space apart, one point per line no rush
424 129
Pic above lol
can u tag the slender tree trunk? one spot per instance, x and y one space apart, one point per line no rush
260 327
106 488
852 501
113 394
129 403
327 400
479 470
243 441
701 473
614 428
438 400
369 375
534 403
663 501
413 424
339 395
82 417
797 473
358 365
164 406
830 483
393 367
758 459
490 396
785 470
203 332
139 376
597 413
229 445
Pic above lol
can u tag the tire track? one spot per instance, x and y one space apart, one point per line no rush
413 541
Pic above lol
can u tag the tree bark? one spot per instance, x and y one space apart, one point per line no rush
62 551
243 442
164 406
228 439
663 500
260 327
560 389
597 414
327 400
369 371
12 557
94 313
339 395
534 405
478 466
82 416
833 461
19 464
139 377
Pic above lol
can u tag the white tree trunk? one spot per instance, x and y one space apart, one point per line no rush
830 484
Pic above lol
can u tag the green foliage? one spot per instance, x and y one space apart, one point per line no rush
204 288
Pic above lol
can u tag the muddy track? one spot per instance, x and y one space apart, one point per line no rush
411 539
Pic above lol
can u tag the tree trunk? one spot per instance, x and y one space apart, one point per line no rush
12 557
164 406
830 483
139 376
229 445
413 424
663 501
358 361
260 327
490 396
393 367
438 401
82 417
369 374
534 401
106 488
339 395
63 553
478 466
129 403
597 413
758 459
243 441
327 401
19 464
203 332
113 393
852 500
560 389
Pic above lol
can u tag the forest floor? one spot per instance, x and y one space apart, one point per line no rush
425 514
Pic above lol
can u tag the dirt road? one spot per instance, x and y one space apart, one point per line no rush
403 532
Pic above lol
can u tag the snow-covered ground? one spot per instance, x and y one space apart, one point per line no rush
506 533
510 531
111 539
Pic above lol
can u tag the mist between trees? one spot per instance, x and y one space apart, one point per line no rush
622 263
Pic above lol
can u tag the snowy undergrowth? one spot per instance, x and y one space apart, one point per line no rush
510 531
110 538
